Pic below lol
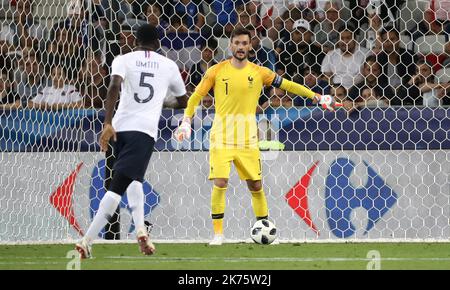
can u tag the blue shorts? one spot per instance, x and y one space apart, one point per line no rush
132 152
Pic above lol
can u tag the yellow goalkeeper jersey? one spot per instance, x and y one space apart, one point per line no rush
236 94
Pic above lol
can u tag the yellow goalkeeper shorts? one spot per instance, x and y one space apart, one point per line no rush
246 161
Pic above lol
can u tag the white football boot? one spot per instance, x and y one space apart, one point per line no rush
217 240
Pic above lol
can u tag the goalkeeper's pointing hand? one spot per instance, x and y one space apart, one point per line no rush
183 132
327 102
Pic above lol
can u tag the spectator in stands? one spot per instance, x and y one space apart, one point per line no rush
122 13
373 79
370 98
89 34
371 31
340 93
29 78
66 50
438 10
93 80
386 11
309 9
299 50
327 32
260 54
7 50
178 25
181 45
279 98
197 71
432 26
192 12
129 12
7 96
60 95
136 8
398 64
243 17
26 31
270 14
422 89
208 50
154 17
274 8
310 77
342 65
249 11
126 39
433 23
289 17
226 16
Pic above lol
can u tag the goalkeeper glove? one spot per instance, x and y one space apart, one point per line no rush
184 130
327 101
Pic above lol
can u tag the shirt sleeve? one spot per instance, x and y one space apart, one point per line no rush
268 76
118 67
201 90
207 82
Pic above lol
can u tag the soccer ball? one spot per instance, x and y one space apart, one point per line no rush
263 232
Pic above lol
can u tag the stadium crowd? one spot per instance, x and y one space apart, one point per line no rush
358 50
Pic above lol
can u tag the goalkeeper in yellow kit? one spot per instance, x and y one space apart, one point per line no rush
237 87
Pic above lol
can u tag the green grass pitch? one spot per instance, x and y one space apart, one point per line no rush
233 256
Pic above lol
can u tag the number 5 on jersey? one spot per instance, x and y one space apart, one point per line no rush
142 83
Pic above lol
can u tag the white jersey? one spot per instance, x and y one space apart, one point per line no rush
147 78
50 95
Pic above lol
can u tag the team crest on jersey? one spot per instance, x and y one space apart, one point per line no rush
250 81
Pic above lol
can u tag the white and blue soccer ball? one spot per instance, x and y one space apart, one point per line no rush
263 232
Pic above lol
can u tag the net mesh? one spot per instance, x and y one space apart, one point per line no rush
376 170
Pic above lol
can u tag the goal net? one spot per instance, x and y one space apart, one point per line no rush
375 170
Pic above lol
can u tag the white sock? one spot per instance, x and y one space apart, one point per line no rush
106 209
135 194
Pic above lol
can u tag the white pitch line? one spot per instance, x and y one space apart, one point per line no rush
272 259
33 263
133 259
147 260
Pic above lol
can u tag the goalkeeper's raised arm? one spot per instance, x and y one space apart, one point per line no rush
328 102
205 85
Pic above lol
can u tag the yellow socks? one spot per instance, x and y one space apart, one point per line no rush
259 204
218 208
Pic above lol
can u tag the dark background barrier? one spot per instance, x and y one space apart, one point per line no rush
298 128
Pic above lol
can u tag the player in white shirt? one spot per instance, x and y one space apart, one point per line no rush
343 64
59 95
144 78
